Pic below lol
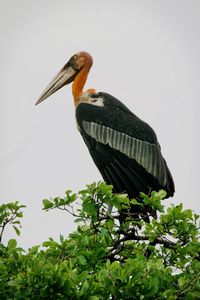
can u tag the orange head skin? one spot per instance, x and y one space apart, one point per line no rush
79 81
75 70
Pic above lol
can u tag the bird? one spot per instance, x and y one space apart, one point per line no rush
124 148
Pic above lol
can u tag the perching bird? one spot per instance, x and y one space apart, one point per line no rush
124 148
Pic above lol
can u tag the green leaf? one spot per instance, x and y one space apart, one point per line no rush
159 195
104 188
47 204
16 230
181 282
135 202
84 288
12 244
81 260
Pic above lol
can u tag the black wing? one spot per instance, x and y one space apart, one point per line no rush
124 148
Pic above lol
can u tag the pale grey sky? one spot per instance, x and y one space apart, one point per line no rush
146 54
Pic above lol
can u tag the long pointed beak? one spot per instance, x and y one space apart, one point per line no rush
65 76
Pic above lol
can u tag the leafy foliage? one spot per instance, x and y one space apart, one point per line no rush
10 213
106 258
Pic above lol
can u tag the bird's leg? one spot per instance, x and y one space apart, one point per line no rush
150 190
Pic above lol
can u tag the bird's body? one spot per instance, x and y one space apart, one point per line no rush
124 148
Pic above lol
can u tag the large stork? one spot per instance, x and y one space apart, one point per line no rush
124 148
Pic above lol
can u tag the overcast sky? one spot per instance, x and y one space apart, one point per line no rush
146 54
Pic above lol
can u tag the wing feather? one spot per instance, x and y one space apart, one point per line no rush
146 154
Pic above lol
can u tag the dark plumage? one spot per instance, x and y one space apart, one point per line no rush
123 172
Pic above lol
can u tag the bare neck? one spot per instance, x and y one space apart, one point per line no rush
79 82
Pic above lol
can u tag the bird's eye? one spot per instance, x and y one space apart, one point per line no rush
75 57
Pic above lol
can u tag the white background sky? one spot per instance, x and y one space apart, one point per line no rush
146 54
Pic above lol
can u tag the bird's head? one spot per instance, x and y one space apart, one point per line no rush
70 71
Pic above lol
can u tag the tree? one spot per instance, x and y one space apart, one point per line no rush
105 258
